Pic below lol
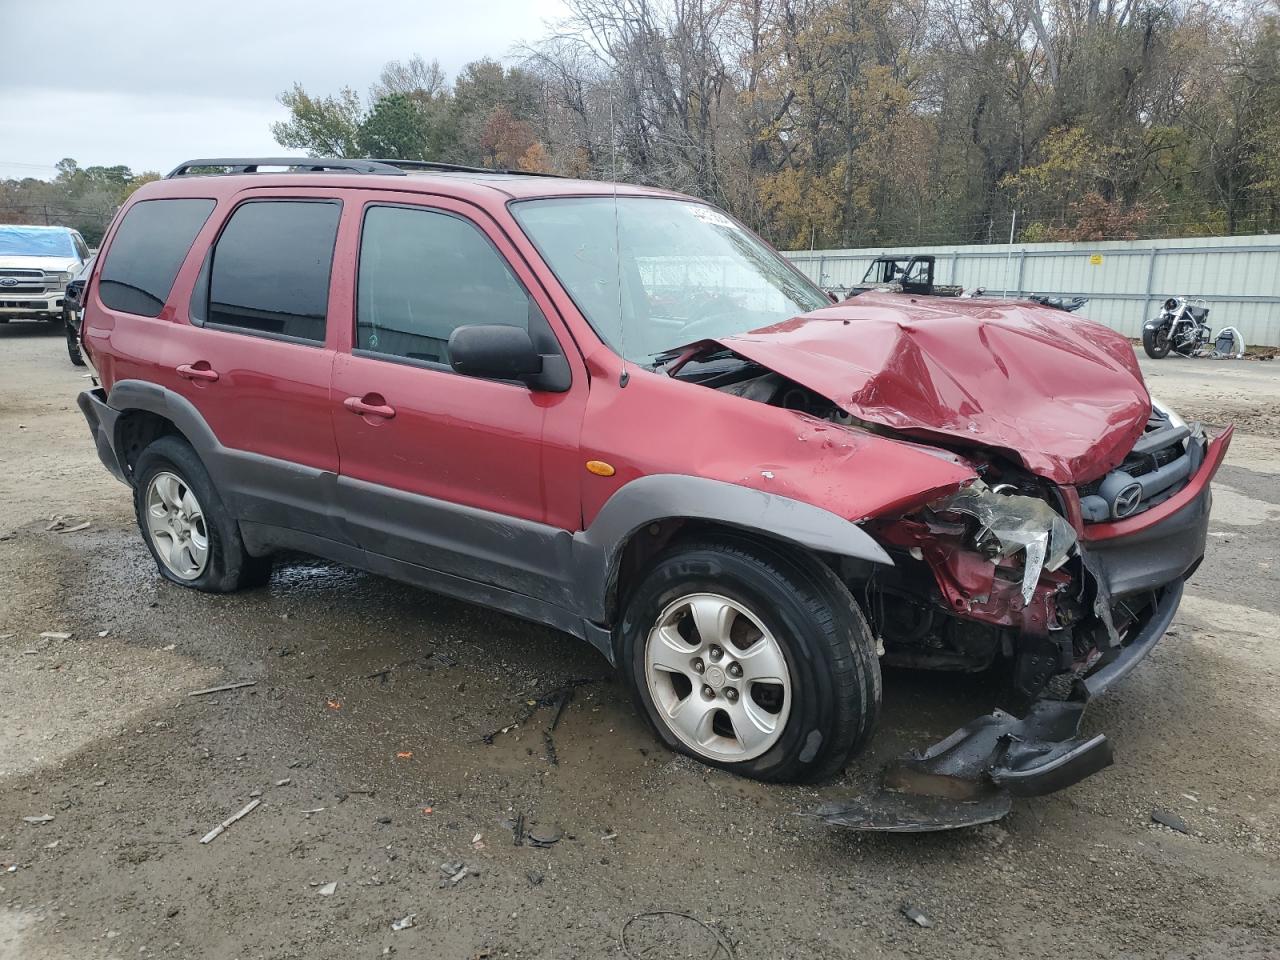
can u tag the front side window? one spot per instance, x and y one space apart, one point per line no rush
652 273
423 274
270 269
147 251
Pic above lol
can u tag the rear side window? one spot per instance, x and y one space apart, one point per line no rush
270 272
423 274
147 251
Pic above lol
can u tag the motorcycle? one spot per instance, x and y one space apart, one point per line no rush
1183 328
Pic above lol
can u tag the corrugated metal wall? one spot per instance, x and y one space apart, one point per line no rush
1125 281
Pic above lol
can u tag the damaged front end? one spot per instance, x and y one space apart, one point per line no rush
997 575
1058 560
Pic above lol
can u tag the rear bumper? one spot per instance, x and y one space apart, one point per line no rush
102 427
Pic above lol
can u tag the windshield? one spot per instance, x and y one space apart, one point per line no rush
686 271
34 242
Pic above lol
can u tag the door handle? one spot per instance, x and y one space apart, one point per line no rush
200 370
370 405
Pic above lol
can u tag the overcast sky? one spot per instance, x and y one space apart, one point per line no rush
150 84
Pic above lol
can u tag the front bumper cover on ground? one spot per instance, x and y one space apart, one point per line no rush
971 776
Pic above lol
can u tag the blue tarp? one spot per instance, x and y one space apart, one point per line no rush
35 242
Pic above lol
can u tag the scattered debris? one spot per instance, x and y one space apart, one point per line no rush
43 818
455 873
223 688
255 793
328 889
243 812
1170 820
545 838
477 842
916 916
307 813
535 877
550 743
103 633
517 830
52 635
285 782
67 525
559 697
404 755
334 704
404 923
611 835
723 948
168 647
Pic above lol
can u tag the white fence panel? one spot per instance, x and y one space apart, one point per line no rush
1125 281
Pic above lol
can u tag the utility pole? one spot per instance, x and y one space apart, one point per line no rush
1013 227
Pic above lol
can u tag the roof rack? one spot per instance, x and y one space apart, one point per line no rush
459 168
294 164
396 168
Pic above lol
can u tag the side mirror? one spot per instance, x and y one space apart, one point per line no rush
501 352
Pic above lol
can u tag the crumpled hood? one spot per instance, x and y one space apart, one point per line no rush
1064 395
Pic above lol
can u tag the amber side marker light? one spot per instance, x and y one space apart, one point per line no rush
600 468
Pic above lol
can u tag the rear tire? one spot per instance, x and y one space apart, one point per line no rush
698 691
1156 343
193 538
73 345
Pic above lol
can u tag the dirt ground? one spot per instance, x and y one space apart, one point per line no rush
363 740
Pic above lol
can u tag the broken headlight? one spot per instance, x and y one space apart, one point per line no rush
1010 522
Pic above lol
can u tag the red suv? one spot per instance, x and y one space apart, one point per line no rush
616 411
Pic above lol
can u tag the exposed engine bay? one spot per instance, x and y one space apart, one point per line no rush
991 574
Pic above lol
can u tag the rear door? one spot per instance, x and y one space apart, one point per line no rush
250 351
472 477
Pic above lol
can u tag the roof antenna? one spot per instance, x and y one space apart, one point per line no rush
625 377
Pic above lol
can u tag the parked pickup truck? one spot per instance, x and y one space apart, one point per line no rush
36 264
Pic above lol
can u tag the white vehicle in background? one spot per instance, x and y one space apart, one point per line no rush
36 263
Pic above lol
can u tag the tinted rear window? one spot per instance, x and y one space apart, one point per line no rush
147 252
271 268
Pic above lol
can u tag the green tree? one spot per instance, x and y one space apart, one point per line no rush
322 126
394 129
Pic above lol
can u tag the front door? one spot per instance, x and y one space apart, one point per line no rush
461 475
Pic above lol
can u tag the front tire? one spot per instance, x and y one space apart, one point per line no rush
193 538
751 659
1156 342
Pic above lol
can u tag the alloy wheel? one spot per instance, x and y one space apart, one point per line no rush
718 678
176 524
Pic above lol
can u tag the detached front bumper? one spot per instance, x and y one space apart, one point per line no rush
971 776
102 427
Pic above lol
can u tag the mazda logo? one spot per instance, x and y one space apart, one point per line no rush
1127 501
8 281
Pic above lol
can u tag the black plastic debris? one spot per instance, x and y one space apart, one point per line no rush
545 837
1171 820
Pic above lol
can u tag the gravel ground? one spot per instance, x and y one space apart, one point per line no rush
363 739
